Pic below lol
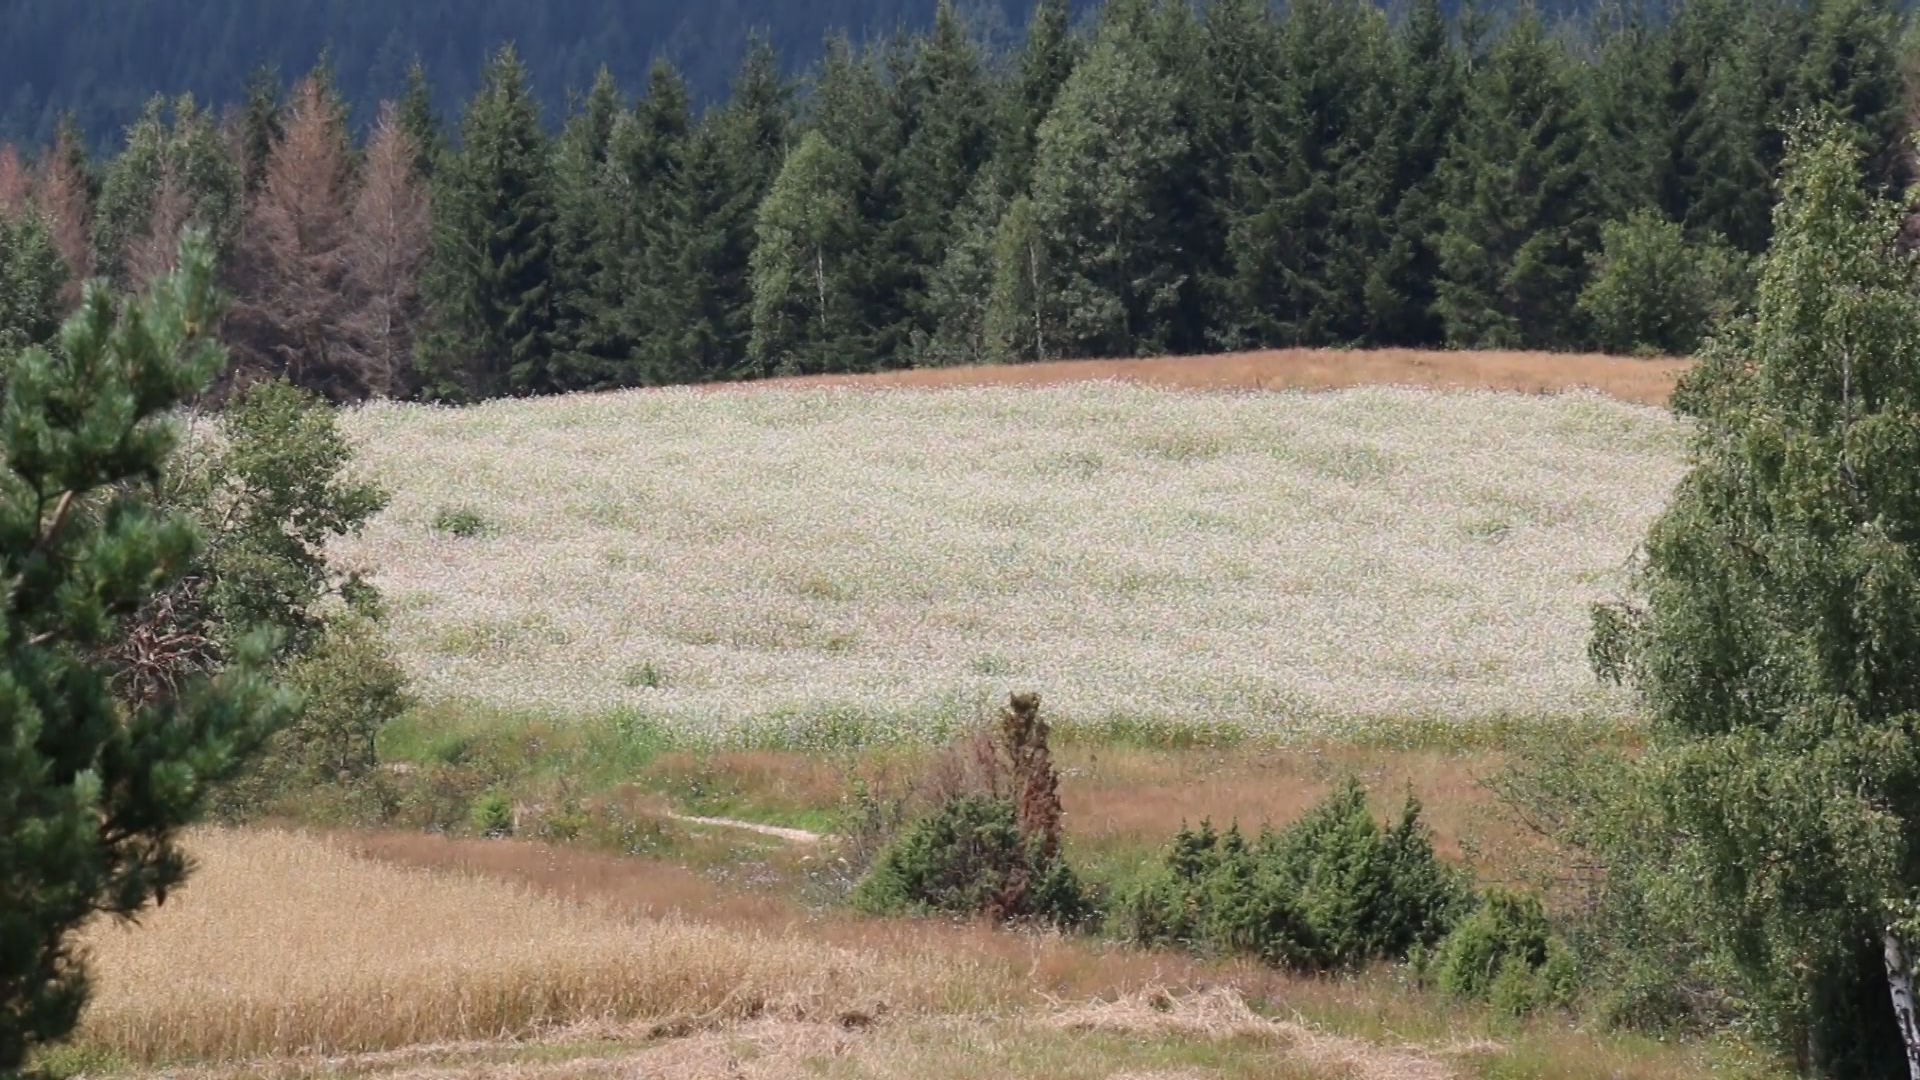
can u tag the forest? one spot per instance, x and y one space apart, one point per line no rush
1145 179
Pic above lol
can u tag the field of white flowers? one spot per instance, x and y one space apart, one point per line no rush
787 563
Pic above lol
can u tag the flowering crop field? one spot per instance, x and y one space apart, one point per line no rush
793 565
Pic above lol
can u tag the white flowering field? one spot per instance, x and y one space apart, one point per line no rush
790 563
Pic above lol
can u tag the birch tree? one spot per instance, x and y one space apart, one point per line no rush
1774 633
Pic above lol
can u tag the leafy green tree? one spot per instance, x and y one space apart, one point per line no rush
1108 253
175 171
804 319
490 279
1772 633
92 793
1653 291
1521 211
269 493
1022 320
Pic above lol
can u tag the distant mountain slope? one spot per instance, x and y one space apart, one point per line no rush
101 59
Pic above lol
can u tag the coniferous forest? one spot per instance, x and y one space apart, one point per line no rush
1146 178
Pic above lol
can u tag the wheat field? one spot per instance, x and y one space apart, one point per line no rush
773 565
299 946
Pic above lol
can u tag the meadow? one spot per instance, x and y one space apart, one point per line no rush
803 589
785 566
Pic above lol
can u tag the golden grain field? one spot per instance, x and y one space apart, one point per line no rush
789 561
282 943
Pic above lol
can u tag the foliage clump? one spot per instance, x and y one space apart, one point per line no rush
991 844
94 789
1506 953
1655 291
1333 890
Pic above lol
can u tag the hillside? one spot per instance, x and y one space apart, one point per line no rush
102 59
793 565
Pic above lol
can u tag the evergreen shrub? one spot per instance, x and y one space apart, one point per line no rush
1333 890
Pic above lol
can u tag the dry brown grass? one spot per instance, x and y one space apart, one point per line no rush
285 944
1646 382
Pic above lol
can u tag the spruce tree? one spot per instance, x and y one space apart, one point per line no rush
949 139
655 222
1522 211
93 793
588 353
1317 184
421 124
32 278
1430 91
732 162
490 280
260 124
1045 62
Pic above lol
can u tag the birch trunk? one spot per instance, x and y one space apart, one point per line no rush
1900 985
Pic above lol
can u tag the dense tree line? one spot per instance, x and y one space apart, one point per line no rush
1152 179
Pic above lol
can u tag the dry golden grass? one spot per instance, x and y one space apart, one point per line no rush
284 944
1644 382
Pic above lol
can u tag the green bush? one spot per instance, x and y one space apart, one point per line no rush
1332 890
1505 953
462 522
1654 291
493 815
968 858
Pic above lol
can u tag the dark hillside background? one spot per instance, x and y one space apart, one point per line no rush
102 59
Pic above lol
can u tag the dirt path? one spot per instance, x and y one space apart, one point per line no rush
1645 382
791 836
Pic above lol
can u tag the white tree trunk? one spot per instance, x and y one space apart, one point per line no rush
1900 985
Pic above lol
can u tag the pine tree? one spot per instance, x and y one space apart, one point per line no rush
1107 257
294 308
490 279
1851 72
94 793
1522 208
1240 58
390 236
805 318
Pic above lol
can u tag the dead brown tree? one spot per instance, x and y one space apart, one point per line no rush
387 247
293 313
16 187
62 194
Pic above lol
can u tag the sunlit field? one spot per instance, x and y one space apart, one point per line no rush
785 566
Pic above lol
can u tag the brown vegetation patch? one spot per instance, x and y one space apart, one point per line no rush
1645 382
